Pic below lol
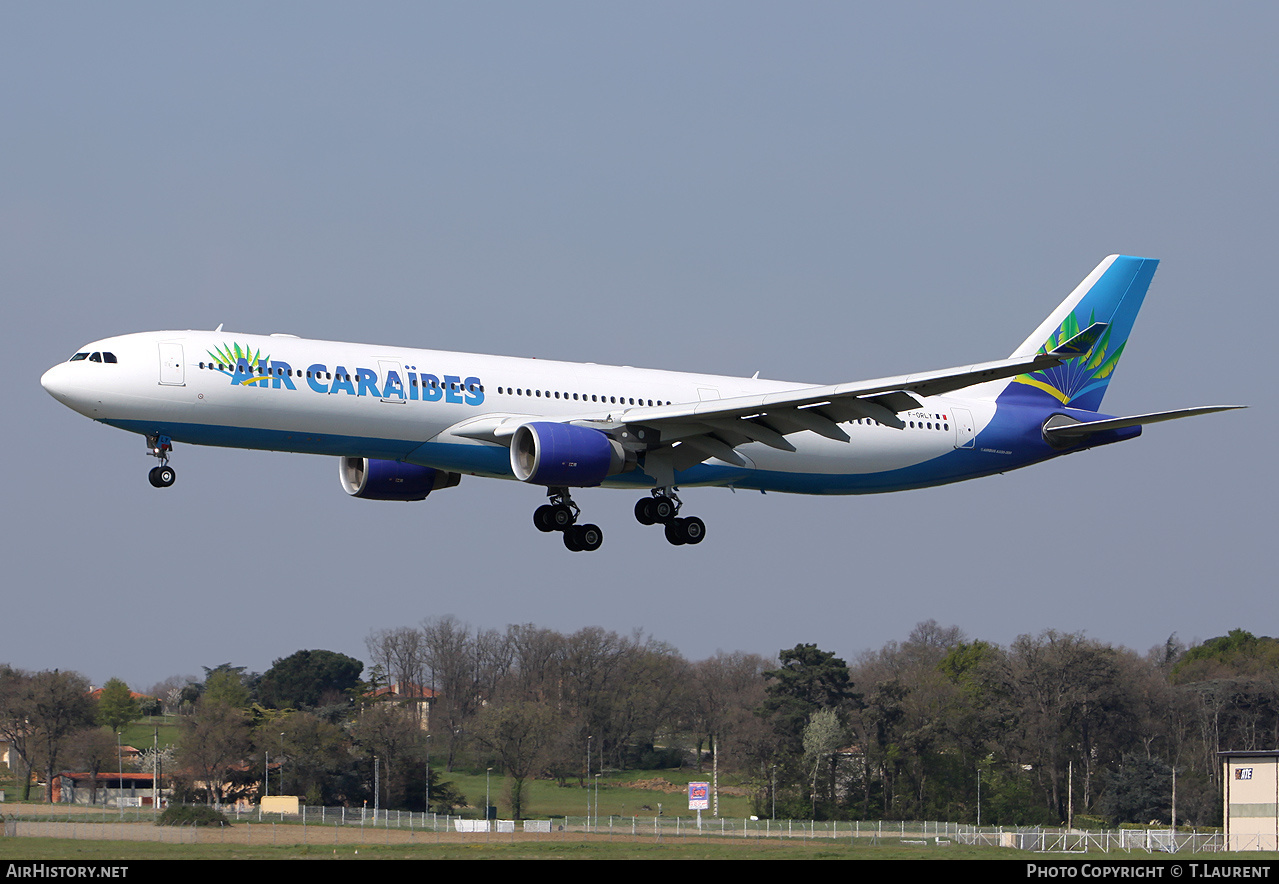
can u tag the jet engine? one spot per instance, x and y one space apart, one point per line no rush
563 455
391 480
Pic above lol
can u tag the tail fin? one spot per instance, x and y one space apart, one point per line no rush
1112 294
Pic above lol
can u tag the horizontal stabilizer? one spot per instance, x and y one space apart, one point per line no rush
1063 430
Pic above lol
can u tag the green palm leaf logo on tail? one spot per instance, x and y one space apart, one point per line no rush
1079 375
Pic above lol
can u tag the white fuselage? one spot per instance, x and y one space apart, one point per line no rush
285 393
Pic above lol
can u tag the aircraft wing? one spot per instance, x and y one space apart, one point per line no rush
679 436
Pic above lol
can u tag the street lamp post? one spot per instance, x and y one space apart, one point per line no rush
428 774
772 792
979 797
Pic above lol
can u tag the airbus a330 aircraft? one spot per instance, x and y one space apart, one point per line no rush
408 422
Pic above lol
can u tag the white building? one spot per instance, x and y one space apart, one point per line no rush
1251 800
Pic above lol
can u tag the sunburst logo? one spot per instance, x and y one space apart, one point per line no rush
1083 374
242 365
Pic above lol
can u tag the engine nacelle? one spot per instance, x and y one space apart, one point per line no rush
391 480
555 455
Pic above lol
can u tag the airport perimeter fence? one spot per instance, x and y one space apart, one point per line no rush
1112 841
354 826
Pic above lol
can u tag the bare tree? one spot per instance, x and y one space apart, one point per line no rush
537 660
93 750
15 726
402 655
451 659
391 733
214 739
57 705
520 733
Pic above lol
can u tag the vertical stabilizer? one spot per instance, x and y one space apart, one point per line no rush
1111 294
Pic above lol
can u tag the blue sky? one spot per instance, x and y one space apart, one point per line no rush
815 191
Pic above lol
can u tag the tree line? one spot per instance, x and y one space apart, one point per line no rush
1052 726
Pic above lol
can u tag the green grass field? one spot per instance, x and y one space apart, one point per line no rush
494 847
619 795
601 847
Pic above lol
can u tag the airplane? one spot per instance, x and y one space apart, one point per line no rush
406 422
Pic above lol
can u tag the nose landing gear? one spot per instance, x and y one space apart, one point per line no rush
163 475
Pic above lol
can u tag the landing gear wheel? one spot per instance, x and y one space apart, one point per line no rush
693 529
662 508
162 477
542 517
561 517
644 511
674 533
587 537
681 531
570 541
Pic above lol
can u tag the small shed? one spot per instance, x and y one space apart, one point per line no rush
1250 797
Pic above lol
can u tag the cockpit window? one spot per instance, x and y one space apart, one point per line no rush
108 357
96 357
79 356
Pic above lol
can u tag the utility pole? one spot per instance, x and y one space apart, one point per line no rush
715 772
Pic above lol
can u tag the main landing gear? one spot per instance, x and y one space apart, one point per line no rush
561 515
163 475
663 507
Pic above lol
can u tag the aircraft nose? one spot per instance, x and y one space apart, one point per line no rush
54 381
66 383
